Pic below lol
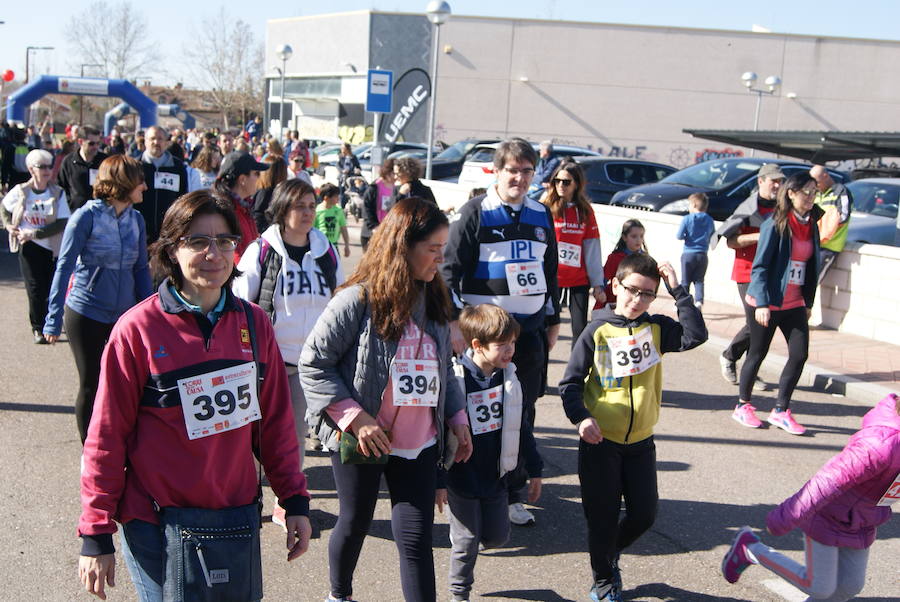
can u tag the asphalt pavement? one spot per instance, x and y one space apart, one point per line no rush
714 477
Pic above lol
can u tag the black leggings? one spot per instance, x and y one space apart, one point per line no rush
37 265
578 308
411 484
607 472
740 343
87 338
795 326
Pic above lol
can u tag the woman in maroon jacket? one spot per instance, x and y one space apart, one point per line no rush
192 388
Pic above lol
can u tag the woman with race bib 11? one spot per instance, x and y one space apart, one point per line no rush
192 389
783 282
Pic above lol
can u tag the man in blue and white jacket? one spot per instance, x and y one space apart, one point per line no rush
502 250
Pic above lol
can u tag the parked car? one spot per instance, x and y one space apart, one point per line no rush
727 183
606 176
874 217
478 169
449 163
328 154
364 151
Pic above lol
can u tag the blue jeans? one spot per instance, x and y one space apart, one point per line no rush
693 270
144 550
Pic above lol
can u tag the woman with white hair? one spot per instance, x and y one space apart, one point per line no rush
34 214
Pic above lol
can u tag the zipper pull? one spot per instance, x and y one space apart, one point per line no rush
199 547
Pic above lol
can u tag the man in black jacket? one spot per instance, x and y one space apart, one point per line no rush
79 169
165 177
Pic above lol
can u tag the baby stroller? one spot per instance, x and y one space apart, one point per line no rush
355 188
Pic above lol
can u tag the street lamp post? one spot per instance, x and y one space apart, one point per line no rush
773 82
283 52
438 12
28 50
81 99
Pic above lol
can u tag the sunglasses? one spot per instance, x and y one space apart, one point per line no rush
563 181
43 167
200 243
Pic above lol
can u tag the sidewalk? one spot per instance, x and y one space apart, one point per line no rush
862 369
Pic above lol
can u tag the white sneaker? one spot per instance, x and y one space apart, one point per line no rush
518 515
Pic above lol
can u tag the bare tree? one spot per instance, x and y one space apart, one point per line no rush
114 35
228 61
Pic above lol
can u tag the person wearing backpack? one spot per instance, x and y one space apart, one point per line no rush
291 271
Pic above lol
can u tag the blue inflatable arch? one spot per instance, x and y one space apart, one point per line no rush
122 109
82 86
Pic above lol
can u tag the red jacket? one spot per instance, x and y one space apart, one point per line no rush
578 239
247 224
138 420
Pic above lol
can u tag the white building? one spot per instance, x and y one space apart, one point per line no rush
622 89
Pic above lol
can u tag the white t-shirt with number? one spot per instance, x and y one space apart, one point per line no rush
37 206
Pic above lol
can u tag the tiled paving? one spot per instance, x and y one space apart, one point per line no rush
832 351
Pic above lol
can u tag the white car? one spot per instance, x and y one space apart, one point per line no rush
478 170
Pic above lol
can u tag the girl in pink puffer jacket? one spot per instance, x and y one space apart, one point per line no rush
838 510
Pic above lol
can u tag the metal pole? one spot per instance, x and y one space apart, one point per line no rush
81 103
431 100
756 117
281 104
27 56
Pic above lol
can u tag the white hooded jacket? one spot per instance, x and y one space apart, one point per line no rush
301 293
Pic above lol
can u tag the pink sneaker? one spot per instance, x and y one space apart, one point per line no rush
278 516
737 559
784 420
745 414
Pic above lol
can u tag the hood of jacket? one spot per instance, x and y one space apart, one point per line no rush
318 246
607 314
747 213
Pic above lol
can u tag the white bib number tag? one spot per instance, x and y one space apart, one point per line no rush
892 494
415 382
387 201
166 181
486 410
570 254
634 354
526 278
797 274
220 401
92 176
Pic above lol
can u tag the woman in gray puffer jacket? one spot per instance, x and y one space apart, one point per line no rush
377 366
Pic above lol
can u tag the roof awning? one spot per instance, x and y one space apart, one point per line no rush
816 147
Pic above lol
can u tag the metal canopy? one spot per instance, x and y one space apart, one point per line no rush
816 147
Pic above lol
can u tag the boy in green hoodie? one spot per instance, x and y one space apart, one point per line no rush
612 390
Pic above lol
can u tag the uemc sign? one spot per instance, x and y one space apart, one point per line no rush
409 114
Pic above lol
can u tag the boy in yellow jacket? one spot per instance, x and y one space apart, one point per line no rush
612 390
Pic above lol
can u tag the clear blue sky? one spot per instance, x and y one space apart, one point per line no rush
171 22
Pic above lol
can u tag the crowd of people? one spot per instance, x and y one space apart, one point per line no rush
202 292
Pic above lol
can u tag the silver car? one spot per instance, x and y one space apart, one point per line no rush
874 217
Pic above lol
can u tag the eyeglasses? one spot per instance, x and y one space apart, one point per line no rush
645 296
92 142
43 167
200 243
515 171
562 181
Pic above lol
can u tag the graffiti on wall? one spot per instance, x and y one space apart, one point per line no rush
626 152
717 153
355 134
